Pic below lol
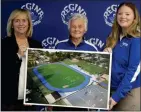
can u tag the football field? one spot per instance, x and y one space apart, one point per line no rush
61 77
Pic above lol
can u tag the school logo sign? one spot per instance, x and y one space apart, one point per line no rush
109 14
97 42
50 42
69 10
36 12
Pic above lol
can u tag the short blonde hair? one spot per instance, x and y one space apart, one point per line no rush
13 15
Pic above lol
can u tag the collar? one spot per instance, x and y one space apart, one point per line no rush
127 36
72 44
15 43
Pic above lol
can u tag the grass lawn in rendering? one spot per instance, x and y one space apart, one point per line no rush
62 76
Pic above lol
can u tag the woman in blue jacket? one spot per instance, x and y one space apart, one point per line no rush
124 43
77 26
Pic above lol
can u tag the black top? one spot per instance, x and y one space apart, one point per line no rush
10 68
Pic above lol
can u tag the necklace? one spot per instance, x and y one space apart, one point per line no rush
22 44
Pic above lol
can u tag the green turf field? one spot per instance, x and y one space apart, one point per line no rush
91 68
60 76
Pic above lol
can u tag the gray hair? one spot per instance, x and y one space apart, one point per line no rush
77 16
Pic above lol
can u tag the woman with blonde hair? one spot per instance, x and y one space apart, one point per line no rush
19 33
124 43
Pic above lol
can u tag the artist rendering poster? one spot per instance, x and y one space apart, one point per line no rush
68 78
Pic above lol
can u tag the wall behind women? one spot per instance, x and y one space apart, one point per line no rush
50 18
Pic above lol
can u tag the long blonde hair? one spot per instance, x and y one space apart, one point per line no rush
133 30
13 15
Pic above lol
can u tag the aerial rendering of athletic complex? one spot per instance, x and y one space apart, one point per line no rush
57 80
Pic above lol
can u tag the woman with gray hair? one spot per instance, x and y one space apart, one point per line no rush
77 26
